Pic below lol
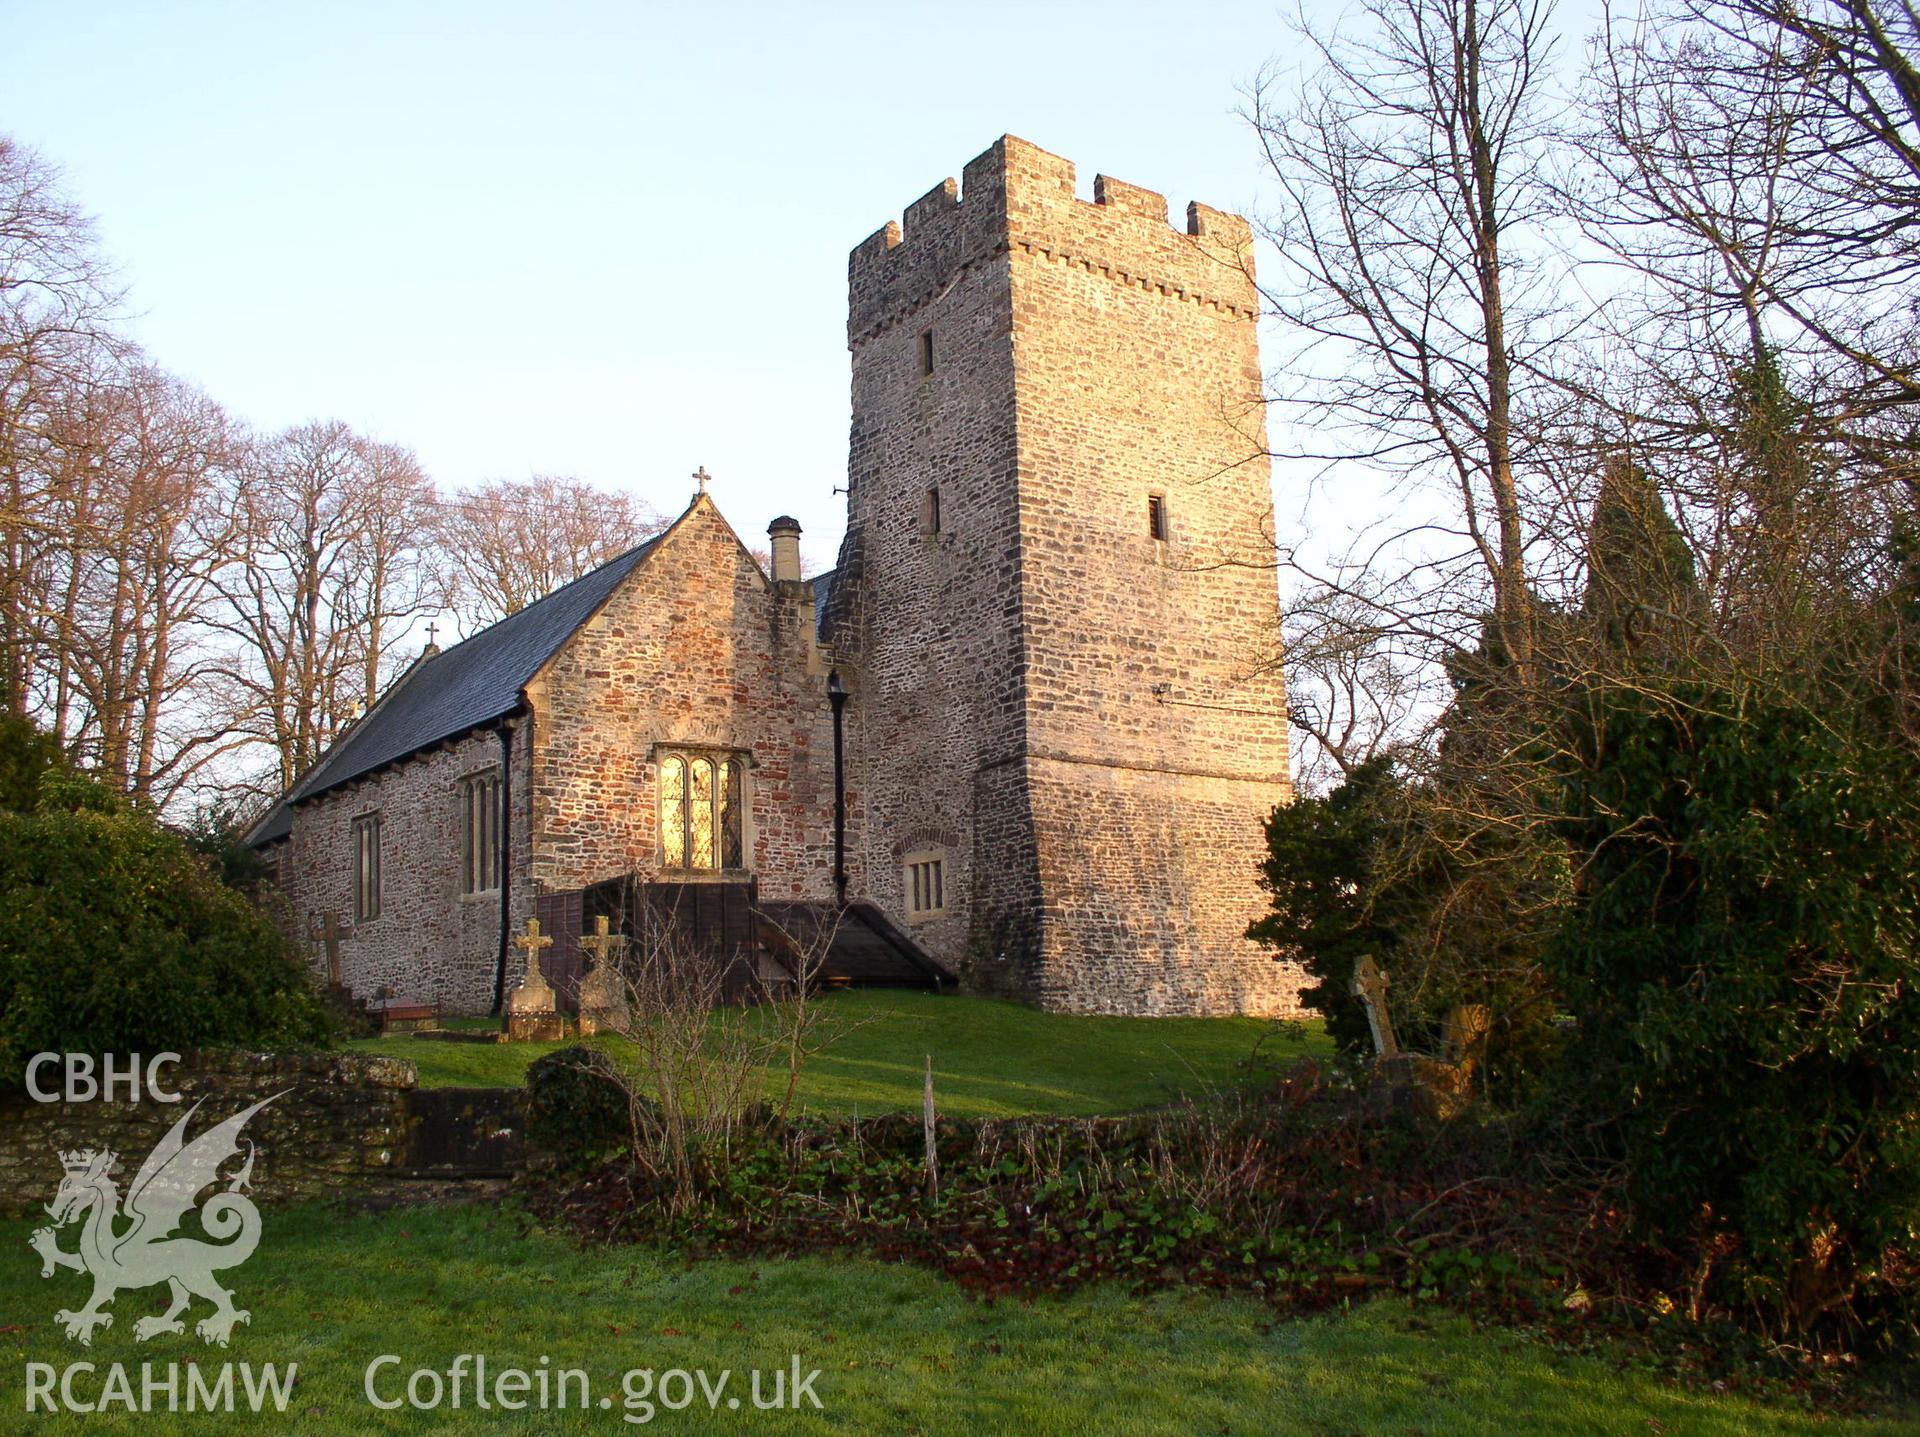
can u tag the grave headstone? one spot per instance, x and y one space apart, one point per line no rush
1441 1086
533 1008
603 992
1370 987
327 930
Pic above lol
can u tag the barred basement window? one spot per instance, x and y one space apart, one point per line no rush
480 832
702 812
926 885
366 867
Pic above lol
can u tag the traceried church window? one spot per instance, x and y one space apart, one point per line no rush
702 812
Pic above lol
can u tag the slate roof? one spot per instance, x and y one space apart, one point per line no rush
822 592
866 948
460 689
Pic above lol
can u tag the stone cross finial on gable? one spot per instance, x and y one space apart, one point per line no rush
433 632
701 477
1370 987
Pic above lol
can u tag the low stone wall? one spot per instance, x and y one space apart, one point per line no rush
343 1125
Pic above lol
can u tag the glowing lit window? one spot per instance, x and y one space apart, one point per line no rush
702 812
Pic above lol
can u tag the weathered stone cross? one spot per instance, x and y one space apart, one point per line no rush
701 477
603 992
533 1009
330 931
601 943
531 942
1370 987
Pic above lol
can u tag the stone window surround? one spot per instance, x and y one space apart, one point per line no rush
936 859
463 789
366 867
664 750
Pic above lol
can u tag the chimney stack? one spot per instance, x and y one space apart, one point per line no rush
785 533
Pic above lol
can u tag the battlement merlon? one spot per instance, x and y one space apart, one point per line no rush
1016 194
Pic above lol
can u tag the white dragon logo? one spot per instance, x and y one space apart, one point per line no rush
146 1253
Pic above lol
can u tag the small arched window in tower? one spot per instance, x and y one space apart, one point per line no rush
926 353
924 876
1157 518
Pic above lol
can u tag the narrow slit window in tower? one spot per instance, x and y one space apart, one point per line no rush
926 353
1157 517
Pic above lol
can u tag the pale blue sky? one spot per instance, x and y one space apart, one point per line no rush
600 239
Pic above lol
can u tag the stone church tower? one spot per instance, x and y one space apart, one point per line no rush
1056 605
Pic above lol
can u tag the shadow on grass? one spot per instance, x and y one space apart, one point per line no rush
898 1348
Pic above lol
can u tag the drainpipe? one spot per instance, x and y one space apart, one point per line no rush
837 696
507 726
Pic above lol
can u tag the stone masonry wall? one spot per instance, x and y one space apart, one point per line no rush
930 623
1156 705
344 1124
431 943
696 649
1123 696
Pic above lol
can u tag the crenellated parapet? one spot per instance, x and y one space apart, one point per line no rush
1017 196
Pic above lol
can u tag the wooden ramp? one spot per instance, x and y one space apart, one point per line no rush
865 949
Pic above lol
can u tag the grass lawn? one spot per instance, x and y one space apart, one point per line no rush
899 1349
990 1058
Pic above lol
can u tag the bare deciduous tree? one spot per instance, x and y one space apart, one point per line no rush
1753 170
1765 159
507 543
336 531
1353 692
56 297
144 526
1409 171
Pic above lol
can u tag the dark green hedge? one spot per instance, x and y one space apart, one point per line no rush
576 1112
115 937
1745 962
